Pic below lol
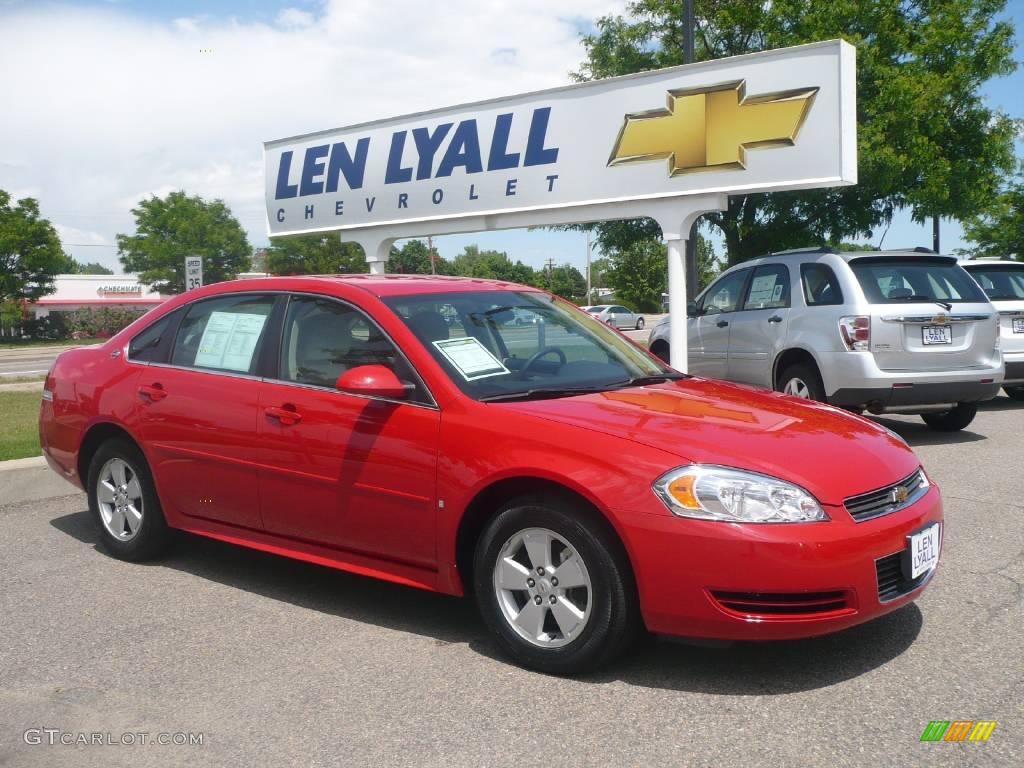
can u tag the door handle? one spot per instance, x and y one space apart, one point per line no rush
286 415
722 323
153 391
774 319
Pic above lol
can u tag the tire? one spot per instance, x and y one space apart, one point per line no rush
1014 393
639 324
150 535
801 378
564 642
951 421
660 350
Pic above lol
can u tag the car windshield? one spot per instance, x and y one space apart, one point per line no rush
1000 282
506 345
915 280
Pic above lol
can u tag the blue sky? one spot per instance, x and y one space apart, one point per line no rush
131 109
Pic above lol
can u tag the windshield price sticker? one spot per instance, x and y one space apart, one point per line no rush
229 341
470 358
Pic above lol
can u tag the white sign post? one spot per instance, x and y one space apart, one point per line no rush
669 144
193 272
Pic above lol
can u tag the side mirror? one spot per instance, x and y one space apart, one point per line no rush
373 380
691 309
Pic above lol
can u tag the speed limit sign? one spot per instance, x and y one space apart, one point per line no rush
193 272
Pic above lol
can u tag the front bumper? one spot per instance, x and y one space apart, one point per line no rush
706 579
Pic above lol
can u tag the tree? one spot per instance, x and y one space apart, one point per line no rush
413 258
314 255
568 282
171 228
926 141
639 275
88 268
492 265
30 251
999 231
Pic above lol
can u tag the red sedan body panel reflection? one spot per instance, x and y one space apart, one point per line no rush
395 488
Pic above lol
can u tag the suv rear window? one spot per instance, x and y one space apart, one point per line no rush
1000 282
915 280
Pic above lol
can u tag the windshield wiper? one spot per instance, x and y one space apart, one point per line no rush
541 393
918 297
641 381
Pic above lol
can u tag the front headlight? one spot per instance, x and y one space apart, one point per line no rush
710 492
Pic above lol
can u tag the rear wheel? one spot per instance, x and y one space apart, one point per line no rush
801 380
1016 393
660 350
123 501
639 323
554 588
951 421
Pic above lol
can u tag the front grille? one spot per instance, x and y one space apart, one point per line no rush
782 604
890 499
891 581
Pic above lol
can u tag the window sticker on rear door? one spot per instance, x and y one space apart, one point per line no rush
470 358
229 341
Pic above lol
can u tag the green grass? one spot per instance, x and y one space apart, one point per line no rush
9 343
19 426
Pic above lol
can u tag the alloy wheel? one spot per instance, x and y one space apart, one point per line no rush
119 498
797 388
543 588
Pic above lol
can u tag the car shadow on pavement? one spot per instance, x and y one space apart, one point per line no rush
1001 403
919 433
736 669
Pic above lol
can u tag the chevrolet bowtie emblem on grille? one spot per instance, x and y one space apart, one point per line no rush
899 494
712 128
940 320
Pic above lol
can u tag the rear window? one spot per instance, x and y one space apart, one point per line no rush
1000 282
915 280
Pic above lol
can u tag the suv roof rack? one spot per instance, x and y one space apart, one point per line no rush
808 249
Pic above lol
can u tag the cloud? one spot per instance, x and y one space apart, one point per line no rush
107 107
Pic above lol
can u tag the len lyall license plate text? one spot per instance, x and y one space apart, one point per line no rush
924 551
937 334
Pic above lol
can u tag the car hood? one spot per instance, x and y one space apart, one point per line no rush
831 453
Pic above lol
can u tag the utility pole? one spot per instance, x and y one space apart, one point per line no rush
551 273
689 31
430 250
935 234
589 297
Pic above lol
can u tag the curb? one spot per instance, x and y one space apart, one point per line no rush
31 480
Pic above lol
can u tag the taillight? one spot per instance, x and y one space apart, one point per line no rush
856 331
49 386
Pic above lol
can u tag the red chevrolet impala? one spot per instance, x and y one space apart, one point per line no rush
479 437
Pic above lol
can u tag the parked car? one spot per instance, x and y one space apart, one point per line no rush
1003 283
616 316
343 421
883 331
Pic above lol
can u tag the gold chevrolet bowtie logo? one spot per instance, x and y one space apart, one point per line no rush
712 128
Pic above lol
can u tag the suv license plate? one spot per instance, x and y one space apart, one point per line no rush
924 551
937 334
1018 325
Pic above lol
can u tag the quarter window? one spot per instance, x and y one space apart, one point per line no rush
820 285
223 334
769 288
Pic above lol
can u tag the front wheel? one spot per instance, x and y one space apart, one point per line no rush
554 588
951 421
639 323
1015 393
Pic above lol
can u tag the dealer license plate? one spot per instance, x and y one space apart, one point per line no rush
924 551
937 334
1018 325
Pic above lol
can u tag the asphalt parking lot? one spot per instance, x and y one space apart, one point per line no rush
276 662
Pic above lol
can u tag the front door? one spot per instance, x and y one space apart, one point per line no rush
709 330
346 471
757 332
199 411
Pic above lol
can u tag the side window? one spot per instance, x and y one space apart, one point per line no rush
153 344
724 296
323 338
769 288
820 285
223 334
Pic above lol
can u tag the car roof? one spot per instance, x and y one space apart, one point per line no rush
380 285
991 263
812 254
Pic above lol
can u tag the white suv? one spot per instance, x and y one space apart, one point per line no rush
1003 283
885 331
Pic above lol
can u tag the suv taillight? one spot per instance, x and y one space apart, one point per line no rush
856 331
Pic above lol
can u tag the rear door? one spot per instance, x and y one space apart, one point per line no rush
199 410
758 330
927 314
708 353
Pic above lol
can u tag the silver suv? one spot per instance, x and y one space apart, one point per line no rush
885 331
1003 283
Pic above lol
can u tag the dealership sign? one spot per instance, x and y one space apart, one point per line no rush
776 120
